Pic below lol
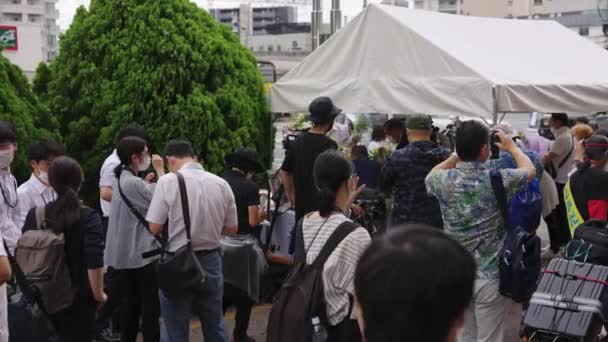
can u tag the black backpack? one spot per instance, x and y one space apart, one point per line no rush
519 261
590 243
301 298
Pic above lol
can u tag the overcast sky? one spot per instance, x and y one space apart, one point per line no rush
351 8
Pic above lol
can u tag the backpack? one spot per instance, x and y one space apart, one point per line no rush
519 261
40 253
301 300
527 207
590 243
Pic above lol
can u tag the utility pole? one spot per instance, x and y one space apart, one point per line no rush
335 16
317 18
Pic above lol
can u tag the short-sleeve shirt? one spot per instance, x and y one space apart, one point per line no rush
506 161
403 176
589 188
246 194
212 207
9 209
339 270
107 179
470 211
32 194
127 237
299 161
563 144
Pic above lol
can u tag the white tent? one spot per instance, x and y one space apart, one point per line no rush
396 60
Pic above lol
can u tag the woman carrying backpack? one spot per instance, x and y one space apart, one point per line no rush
83 234
338 190
129 237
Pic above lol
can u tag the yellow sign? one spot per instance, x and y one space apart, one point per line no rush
574 216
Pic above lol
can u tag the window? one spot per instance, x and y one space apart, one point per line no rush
583 31
510 2
270 48
279 48
16 17
538 2
34 18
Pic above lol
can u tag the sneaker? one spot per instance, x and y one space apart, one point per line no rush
107 335
548 254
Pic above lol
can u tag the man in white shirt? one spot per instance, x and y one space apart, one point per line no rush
37 192
114 286
8 209
213 212
561 159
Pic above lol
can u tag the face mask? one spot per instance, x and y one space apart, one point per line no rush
6 158
145 165
43 177
553 130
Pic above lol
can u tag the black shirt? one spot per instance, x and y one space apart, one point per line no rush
299 161
246 194
589 188
368 171
83 246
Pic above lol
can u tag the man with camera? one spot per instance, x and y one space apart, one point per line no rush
296 171
471 215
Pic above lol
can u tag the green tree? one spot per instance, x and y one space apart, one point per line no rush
165 64
40 85
21 107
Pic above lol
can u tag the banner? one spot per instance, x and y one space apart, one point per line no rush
575 218
8 37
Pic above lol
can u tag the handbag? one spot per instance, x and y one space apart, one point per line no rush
180 271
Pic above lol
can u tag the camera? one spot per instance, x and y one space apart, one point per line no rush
494 138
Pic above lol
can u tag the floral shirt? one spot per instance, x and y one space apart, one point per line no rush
470 212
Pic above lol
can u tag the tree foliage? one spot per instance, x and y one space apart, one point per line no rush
19 106
165 64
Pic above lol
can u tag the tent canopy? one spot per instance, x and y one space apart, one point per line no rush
397 60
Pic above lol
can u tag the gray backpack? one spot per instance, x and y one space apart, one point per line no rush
40 253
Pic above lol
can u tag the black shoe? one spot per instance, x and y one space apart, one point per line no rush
244 339
107 335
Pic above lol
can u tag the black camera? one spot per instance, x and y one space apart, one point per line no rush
494 138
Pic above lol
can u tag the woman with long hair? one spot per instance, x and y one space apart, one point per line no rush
338 190
129 237
82 229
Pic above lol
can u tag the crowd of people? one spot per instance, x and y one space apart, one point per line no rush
433 276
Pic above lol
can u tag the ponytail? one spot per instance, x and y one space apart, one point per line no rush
327 199
65 211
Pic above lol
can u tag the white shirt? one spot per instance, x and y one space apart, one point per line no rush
212 207
107 178
9 209
32 194
339 270
561 146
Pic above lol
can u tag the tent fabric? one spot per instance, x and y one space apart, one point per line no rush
397 60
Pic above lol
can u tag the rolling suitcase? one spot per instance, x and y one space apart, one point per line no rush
570 303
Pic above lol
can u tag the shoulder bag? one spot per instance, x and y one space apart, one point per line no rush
550 168
180 271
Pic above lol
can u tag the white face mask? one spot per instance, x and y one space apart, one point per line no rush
145 165
6 158
43 177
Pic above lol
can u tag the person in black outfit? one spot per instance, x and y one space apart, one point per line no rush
368 171
83 246
242 165
296 171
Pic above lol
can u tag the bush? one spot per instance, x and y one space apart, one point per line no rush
164 64
21 107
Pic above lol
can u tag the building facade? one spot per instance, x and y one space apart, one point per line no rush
33 24
254 19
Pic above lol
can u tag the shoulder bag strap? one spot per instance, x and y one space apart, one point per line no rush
300 253
134 211
567 156
334 240
24 284
40 213
501 195
185 205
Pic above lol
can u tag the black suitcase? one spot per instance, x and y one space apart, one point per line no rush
570 303
590 243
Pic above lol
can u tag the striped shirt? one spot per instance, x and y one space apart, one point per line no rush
339 270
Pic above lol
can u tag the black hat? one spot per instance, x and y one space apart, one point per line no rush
245 159
323 110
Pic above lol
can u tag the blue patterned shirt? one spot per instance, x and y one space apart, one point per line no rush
470 212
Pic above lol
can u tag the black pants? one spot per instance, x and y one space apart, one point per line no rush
347 331
76 323
115 288
239 299
557 222
142 303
